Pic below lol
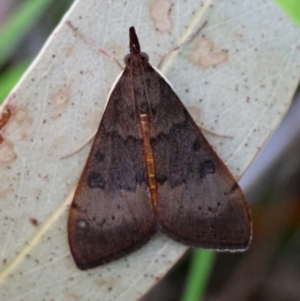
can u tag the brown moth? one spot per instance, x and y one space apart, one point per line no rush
151 168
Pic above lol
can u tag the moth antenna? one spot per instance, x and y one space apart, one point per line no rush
134 44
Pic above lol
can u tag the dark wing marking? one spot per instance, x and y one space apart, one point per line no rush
111 214
199 202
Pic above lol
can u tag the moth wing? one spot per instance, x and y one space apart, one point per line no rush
111 213
199 202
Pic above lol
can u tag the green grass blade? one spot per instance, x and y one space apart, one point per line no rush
201 266
291 8
9 78
20 22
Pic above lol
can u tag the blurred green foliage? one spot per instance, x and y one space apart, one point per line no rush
25 16
200 269
291 8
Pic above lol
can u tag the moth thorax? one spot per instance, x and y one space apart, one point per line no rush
149 157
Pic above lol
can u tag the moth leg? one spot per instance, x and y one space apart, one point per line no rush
80 147
213 132
94 45
176 47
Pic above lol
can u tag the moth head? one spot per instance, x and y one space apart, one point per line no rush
141 58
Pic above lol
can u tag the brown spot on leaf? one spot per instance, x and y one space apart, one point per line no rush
160 14
4 193
55 146
24 121
204 55
109 282
59 101
34 221
23 117
6 113
7 153
72 296
70 51
5 116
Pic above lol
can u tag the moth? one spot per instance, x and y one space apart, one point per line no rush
150 168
